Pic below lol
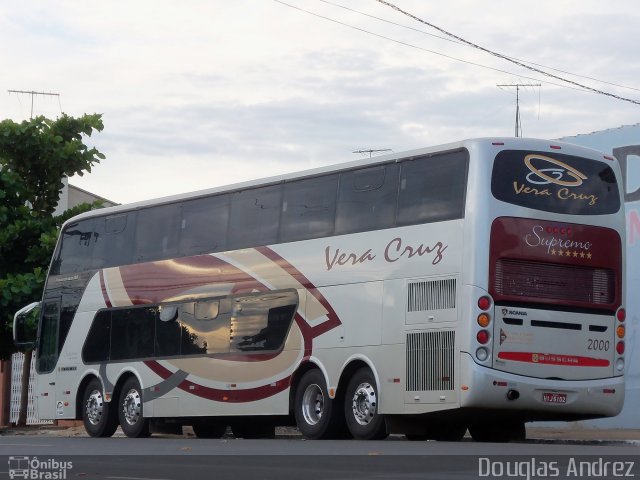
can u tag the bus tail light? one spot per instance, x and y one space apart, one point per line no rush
484 303
621 315
484 320
620 331
620 364
620 347
482 354
483 337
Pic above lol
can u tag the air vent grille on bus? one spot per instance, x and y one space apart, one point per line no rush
569 283
430 361
432 295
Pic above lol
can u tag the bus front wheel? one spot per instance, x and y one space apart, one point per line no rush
130 410
315 413
361 407
99 417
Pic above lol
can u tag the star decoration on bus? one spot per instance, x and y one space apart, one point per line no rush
571 253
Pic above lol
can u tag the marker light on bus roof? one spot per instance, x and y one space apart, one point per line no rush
555 147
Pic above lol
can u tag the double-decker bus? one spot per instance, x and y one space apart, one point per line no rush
472 286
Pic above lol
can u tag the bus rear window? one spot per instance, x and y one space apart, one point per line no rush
555 182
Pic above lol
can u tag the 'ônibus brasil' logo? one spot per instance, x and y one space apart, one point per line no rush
559 173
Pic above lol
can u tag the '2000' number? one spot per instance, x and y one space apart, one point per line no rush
600 345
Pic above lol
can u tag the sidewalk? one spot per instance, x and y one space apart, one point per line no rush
533 433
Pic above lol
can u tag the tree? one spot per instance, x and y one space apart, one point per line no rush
35 155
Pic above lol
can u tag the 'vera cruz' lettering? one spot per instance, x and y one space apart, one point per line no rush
340 258
537 239
562 194
394 251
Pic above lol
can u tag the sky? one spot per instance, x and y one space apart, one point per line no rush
199 94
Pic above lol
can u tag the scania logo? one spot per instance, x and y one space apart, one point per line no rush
558 173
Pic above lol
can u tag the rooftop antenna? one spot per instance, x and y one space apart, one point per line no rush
370 151
517 86
33 94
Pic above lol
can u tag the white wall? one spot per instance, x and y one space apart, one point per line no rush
624 143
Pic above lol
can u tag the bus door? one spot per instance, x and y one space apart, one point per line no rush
46 359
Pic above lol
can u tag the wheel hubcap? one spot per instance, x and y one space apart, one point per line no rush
312 404
364 404
132 406
94 407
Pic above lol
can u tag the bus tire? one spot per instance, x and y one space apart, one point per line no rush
361 407
316 414
209 429
100 418
131 411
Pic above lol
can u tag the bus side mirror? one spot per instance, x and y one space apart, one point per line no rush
25 326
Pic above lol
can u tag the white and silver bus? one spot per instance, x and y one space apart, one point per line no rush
476 285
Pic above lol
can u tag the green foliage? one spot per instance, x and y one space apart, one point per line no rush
34 157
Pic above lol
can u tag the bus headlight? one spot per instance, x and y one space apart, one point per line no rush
482 354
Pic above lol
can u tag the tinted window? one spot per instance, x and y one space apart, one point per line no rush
157 233
168 331
367 199
261 322
114 241
132 333
204 225
206 326
432 189
555 182
77 247
47 348
308 208
96 347
255 217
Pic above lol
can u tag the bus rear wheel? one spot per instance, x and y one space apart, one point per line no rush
361 407
99 417
315 413
130 410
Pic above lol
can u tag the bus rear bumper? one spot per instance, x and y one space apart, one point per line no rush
541 399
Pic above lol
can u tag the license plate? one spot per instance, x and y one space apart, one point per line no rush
549 397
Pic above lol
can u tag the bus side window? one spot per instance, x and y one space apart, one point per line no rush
113 245
76 249
206 326
255 217
98 343
367 199
203 225
432 189
308 208
168 332
261 322
133 333
157 233
48 344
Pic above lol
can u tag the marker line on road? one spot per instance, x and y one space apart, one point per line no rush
25 445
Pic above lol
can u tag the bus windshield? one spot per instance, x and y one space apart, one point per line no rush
555 183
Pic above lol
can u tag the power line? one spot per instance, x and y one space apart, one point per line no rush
461 43
425 49
504 57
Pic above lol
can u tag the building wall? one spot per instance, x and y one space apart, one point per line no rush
624 143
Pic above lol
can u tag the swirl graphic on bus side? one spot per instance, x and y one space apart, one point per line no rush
556 175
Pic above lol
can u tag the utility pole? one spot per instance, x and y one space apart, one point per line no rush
33 94
517 86
370 151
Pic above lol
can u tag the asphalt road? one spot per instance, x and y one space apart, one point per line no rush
238 459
